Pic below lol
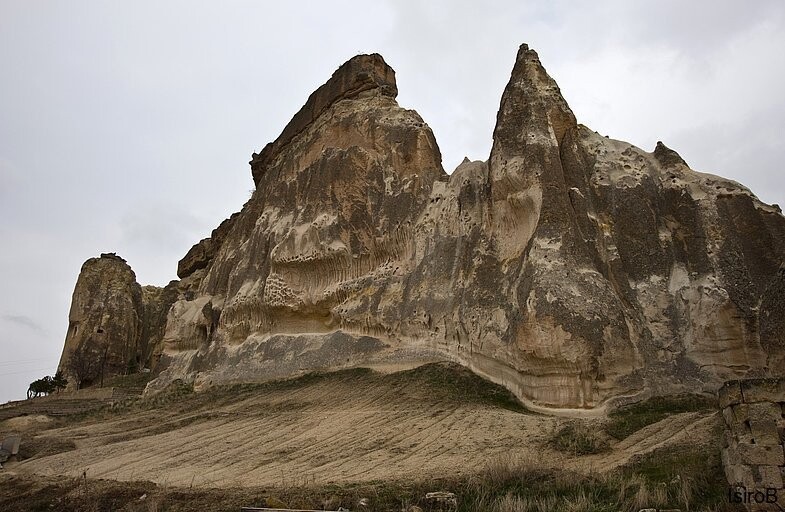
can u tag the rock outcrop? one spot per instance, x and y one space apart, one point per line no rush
115 326
202 254
105 323
570 267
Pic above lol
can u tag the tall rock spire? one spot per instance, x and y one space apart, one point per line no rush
526 176
532 109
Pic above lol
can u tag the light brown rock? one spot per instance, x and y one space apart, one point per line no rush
572 268
105 322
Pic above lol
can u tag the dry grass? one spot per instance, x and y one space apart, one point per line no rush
578 438
689 478
629 419
505 484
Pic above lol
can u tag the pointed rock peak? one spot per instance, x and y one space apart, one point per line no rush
112 256
532 104
465 160
668 157
360 76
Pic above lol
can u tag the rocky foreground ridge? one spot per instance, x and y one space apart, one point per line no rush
572 268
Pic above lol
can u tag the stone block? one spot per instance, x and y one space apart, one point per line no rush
769 477
730 457
741 428
763 390
765 432
729 394
741 412
764 411
739 475
728 438
761 455
11 444
728 417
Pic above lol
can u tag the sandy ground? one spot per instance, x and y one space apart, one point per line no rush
335 431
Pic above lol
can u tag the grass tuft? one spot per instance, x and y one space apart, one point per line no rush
578 438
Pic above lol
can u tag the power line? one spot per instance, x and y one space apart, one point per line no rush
24 361
25 371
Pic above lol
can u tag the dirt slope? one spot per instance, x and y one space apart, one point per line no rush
353 426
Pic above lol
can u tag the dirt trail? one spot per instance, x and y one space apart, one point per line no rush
336 430
675 429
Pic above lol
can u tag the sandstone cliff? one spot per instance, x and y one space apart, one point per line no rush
105 322
572 268
115 325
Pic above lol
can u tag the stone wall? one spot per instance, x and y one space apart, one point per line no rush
754 415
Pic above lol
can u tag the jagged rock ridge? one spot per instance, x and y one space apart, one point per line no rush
572 268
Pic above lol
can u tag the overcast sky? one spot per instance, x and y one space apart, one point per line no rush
128 126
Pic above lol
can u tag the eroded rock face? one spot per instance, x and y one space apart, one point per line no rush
115 326
105 323
572 268
201 255
157 302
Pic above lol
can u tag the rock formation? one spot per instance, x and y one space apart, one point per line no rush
105 323
115 325
572 268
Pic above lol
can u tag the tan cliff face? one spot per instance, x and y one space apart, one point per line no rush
105 322
115 326
572 268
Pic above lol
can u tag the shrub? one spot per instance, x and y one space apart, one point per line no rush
579 439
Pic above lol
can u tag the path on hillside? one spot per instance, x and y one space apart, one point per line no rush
676 429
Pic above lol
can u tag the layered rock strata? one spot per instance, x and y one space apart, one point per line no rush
570 267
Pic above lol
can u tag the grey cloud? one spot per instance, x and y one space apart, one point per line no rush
756 162
24 321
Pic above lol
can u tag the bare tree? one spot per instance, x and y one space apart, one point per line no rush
85 363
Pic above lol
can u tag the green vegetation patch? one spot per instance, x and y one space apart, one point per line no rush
445 382
131 381
451 381
629 419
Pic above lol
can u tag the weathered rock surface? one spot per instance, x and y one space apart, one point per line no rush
115 325
202 254
157 303
105 323
572 268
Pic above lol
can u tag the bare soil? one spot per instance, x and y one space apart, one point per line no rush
347 428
